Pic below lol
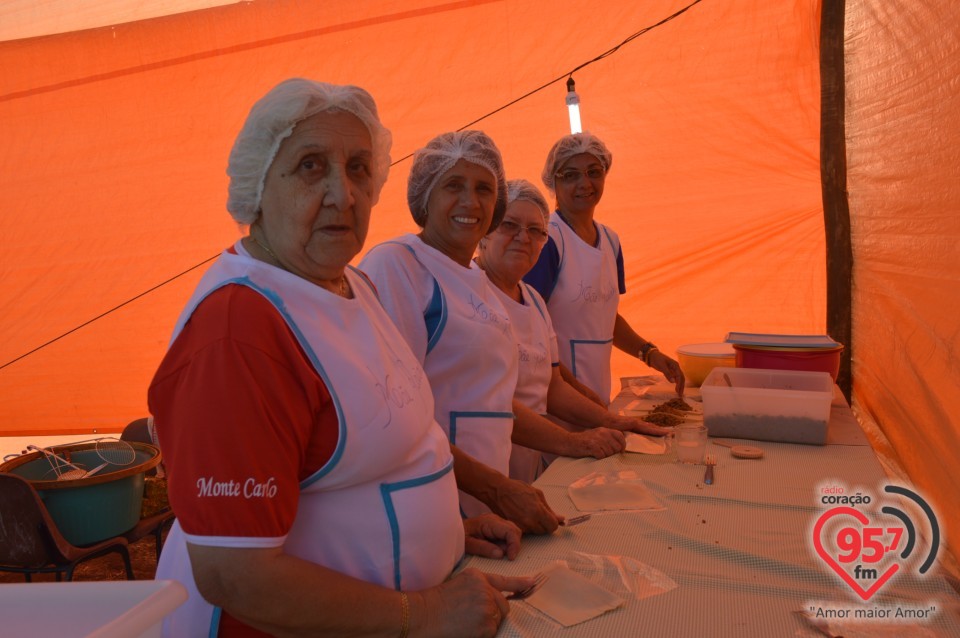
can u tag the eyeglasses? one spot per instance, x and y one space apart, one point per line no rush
512 229
572 176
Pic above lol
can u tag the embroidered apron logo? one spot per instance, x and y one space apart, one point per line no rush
394 395
535 356
484 314
590 295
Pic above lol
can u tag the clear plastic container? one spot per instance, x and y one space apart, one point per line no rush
767 405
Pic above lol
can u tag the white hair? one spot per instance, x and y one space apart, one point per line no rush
272 119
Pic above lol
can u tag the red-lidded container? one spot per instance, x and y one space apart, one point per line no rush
777 358
806 353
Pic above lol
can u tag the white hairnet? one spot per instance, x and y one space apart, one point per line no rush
439 156
271 120
524 191
570 145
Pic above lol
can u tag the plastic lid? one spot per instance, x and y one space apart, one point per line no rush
781 340
707 350
740 346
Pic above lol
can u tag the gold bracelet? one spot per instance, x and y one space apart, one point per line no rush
645 350
404 615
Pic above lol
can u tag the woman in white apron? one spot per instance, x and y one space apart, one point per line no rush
580 270
453 319
506 255
313 489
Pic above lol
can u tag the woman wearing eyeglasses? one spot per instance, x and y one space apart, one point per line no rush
580 271
506 255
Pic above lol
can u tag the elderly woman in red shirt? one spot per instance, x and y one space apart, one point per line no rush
313 488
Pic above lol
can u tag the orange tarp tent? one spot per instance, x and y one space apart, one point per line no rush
747 196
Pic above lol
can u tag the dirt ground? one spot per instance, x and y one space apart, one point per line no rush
143 559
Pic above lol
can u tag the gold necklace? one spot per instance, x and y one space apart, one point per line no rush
264 246
342 291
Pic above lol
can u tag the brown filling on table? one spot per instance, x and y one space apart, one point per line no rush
678 403
664 408
663 418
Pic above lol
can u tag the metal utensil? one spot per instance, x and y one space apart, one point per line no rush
709 461
539 580
94 470
112 451
576 520
115 451
64 469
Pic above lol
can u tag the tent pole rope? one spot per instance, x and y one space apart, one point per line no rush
107 312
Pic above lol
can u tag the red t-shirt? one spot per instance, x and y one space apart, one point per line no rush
236 403
239 411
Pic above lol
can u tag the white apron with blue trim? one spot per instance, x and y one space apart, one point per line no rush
384 507
534 352
471 362
583 305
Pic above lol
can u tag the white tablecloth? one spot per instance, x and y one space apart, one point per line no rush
740 550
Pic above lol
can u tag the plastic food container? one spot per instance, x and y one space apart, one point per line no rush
698 359
114 609
808 352
767 405
779 358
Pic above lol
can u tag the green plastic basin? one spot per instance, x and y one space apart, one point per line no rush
92 509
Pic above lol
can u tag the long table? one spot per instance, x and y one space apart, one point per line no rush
740 551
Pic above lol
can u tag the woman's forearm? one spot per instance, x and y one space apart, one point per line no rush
566 403
515 501
287 596
567 376
625 337
538 433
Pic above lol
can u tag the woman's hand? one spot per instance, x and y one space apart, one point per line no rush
598 443
490 536
670 369
525 505
632 424
513 500
468 605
